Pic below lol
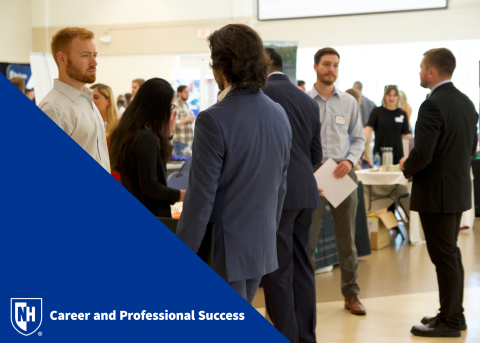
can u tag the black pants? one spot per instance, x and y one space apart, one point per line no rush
441 233
290 290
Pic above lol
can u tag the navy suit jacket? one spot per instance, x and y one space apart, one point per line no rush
306 152
237 180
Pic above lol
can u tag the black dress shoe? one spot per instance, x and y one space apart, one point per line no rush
426 320
435 329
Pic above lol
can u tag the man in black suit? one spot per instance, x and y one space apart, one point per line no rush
445 140
290 290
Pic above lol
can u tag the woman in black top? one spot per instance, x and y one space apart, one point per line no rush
390 124
140 145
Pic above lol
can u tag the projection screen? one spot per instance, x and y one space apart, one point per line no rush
293 9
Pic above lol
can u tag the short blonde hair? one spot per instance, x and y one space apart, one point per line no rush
139 82
62 40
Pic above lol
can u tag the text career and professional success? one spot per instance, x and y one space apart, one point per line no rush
144 315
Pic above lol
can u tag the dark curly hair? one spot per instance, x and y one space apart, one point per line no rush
239 55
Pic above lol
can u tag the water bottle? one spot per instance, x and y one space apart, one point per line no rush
376 161
387 157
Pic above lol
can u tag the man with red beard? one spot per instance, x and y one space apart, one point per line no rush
70 104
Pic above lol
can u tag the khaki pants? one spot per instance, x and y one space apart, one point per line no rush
344 227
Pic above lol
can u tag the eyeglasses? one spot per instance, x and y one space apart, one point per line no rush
173 106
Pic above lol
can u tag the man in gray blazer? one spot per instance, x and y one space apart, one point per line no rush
240 156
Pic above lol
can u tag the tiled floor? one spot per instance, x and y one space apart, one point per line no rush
398 287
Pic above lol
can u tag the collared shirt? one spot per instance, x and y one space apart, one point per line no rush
342 128
224 93
77 115
275 72
438 85
183 133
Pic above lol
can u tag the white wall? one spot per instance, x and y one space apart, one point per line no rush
109 12
15 31
119 71
378 49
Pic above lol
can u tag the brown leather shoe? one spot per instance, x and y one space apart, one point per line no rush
353 304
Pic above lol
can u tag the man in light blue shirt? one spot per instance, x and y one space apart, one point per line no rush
343 141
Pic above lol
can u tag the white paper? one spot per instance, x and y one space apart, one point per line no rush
335 190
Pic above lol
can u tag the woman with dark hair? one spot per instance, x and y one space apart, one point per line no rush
390 124
139 147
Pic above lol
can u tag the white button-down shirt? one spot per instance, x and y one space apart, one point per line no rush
342 129
77 115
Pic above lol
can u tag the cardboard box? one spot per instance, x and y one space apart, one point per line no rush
379 225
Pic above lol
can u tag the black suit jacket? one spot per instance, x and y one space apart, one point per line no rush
445 141
306 152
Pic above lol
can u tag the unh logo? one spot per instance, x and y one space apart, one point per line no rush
26 314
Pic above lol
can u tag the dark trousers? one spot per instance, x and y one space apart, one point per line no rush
441 233
246 288
290 290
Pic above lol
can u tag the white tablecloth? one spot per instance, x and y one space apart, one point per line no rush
381 178
396 178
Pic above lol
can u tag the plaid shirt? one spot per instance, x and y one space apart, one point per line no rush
183 133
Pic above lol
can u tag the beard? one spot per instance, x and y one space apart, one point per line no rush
77 74
327 81
424 84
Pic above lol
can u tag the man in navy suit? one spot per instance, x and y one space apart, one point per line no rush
290 290
240 156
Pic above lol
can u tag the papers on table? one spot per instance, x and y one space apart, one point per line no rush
335 190
408 144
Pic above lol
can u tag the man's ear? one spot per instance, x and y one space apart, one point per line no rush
62 59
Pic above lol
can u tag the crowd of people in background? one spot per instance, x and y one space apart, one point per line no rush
253 158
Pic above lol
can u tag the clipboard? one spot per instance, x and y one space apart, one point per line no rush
205 252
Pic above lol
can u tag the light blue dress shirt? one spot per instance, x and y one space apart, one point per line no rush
438 85
342 128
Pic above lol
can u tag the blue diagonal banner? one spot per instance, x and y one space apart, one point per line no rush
83 261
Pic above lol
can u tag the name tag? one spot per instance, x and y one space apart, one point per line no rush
341 120
399 119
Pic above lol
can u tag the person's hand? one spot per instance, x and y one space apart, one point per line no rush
182 194
192 117
367 160
173 116
320 192
402 161
342 169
